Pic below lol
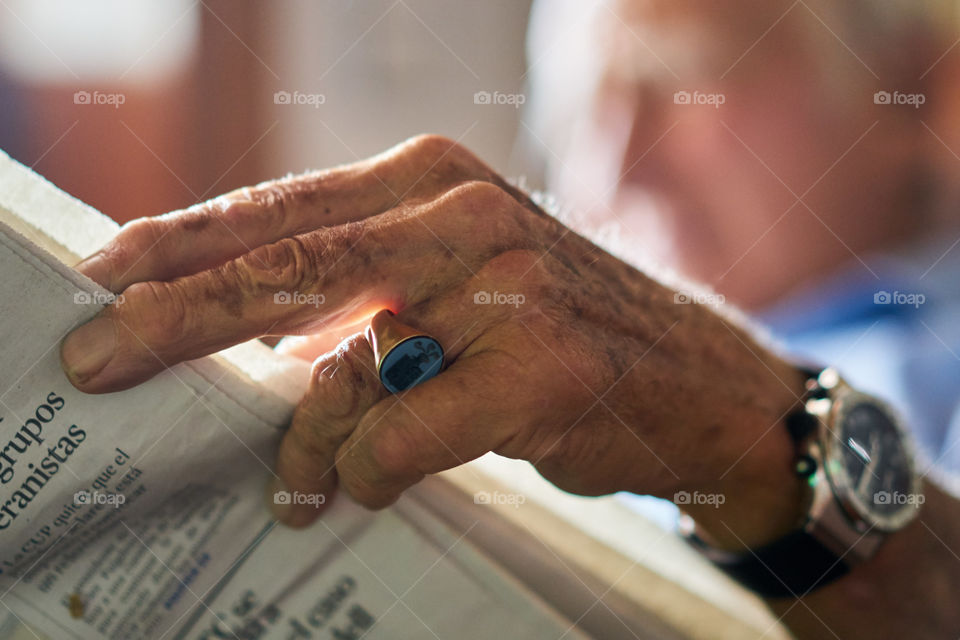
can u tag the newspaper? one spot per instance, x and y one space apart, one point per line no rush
141 514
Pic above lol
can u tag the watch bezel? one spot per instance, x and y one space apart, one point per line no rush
844 401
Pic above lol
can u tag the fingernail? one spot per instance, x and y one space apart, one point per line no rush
88 349
96 268
278 499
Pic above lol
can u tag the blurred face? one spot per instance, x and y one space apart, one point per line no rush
736 141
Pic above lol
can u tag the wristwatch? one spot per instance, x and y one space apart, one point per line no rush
857 459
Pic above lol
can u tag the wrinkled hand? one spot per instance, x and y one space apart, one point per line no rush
558 353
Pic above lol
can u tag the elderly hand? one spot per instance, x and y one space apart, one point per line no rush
580 364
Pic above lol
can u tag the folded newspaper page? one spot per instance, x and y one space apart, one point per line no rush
141 514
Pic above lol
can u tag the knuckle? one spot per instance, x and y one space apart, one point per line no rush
443 159
287 264
475 209
274 207
143 232
481 197
157 312
273 199
341 383
263 211
430 146
138 239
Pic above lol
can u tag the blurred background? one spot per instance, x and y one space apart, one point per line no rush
138 107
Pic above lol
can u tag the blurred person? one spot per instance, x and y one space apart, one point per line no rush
747 145
820 194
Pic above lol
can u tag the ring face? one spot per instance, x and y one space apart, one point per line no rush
410 362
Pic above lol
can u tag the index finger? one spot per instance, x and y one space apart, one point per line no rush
205 235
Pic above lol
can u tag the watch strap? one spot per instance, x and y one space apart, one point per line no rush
791 566
796 563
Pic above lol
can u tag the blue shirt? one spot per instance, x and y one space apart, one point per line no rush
892 329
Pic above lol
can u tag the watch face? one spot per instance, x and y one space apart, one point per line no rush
870 464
